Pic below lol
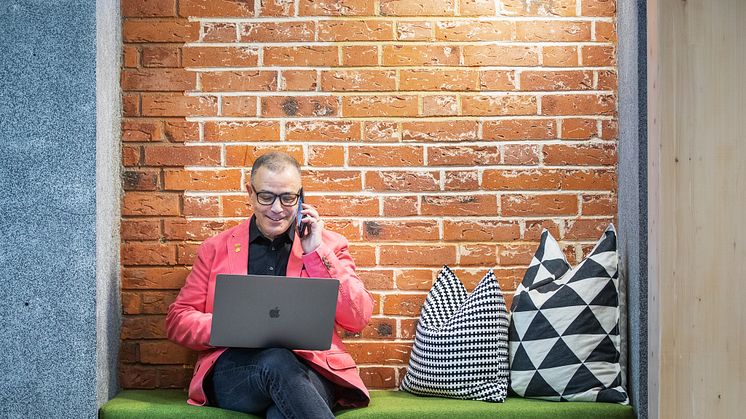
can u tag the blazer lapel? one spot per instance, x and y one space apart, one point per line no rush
238 250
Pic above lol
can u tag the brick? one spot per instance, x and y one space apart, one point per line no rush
345 206
148 8
482 105
581 154
239 81
534 228
216 8
609 129
158 80
598 8
470 30
131 303
358 80
202 180
403 304
350 229
299 106
560 56
365 256
277 8
578 128
355 30
578 104
399 206
500 80
378 377
160 30
386 156
481 230
598 55
521 205
414 279
175 104
298 80
138 180
134 376
141 130
306 56
461 180
440 105
400 231
181 229
359 55
459 205
556 80
400 181
521 154
375 353
447 131
477 255
463 155
501 55
128 352
335 8
516 254
416 255
418 7
548 9
220 57
590 179
180 131
605 32
245 106
144 203
586 229
332 180
130 156
371 106
176 376
219 32
277 32
477 8
322 131
598 205
201 206
407 329
520 129
420 55
553 31
322 155
377 328
148 253
157 302
165 352
130 56
160 56
186 253
242 131
130 104
381 132
607 80
377 279
154 278
524 179
235 206
140 229
449 80
414 31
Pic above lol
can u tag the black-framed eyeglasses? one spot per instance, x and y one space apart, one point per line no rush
268 198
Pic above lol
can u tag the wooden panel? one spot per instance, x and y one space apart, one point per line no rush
697 193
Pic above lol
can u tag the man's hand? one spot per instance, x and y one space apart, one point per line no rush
312 240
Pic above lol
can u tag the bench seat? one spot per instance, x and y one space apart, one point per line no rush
144 404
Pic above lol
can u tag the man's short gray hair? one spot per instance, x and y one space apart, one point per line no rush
274 161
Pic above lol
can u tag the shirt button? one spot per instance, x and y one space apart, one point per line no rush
271 268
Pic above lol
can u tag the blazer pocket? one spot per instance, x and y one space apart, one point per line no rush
340 361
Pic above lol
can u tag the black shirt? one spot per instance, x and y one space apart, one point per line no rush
269 257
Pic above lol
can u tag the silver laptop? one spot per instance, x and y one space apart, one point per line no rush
259 311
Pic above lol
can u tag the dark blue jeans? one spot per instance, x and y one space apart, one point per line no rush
269 381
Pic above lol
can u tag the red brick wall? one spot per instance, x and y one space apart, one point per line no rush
431 132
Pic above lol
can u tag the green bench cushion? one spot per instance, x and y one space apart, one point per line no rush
143 404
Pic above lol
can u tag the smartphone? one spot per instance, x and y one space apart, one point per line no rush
301 227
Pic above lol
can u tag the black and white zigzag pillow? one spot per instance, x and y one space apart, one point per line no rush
461 343
564 333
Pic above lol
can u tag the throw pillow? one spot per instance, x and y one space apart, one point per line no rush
461 343
564 331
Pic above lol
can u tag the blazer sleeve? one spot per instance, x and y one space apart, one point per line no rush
332 259
187 323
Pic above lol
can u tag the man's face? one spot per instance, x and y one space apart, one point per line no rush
273 220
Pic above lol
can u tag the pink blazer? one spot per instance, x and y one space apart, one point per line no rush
190 316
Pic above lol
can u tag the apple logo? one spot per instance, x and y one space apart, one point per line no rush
274 313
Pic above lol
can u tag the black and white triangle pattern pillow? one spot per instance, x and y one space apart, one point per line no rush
564 333
548 264
461 343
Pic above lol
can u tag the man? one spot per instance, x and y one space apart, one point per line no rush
277 382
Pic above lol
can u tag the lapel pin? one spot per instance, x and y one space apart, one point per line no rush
237 247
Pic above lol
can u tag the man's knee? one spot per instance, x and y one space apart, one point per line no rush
278 360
